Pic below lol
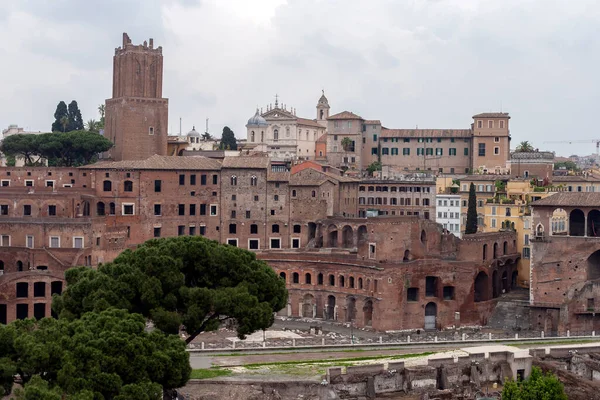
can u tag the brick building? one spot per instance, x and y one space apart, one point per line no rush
532 164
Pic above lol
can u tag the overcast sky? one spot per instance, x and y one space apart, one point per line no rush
431 63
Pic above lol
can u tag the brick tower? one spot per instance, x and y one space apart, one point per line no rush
137 116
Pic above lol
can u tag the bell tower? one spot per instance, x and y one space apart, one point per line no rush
323 110
136 117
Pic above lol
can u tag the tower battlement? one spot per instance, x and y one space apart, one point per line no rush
147 46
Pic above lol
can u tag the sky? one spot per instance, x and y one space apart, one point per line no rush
408 63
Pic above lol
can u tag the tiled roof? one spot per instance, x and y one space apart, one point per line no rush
486 178
309 122
278 176
373 122
417 133
257 162
575 178
570 199
345 115
492 115
340 178
532 155
296 180
157 162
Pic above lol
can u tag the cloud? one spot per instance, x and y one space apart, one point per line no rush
431 63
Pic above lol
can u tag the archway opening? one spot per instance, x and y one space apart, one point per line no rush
282 276
559 222
368 312
495 251
312 231
332 236
330 314
423 237
308 308
505 283
86 208
485 251
347 237
593 266
495 285
505 248
576 223
482 291
100 208
407 256
514 279
430 315
593 223
20 266
350 309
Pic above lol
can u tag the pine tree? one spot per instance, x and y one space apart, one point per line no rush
471 211
75 119
228 141
61 111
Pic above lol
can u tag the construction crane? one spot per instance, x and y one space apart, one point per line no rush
597 141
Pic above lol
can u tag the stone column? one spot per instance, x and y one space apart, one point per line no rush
585 216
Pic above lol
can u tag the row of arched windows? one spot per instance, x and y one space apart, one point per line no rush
495 254
101 209
253 180
127 186
352 282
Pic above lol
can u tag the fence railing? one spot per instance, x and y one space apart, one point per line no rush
388 340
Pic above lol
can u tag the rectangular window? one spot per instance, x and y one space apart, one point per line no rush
5 240
27 210
28 182
202 179
493 222
5 182
481 149
181 209
372 250
29 241
192 179
375 138
213 210
128 209
248 214
215 179
182 179
420 151
374 151
157 185
501 124
490 124
52 210
466 151
429 151
452 151
406 151
202 209
192 209
439 151
78 242
412 294
526 239
181 230
496 150
192 230
151 130
385 151
394 151
253 244
157 210
526 252
49 183
54 241
275 243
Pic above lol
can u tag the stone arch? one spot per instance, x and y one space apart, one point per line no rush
495 286
593 223
100 208
347 237
431 316
482 290
320 278
407 256
107 186
308 278
485 251
593 266
351 282
342 281
332 236
330 308
558 222
308 306
423 236
368 312
362 234
350 308
505 248
295 277
539 230
283 276
576 223
128 186
360 283
331 280
19 265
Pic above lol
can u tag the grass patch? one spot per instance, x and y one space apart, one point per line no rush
553 342
209 373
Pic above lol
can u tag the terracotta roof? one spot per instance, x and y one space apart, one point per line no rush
373 122
345 115
278 176
417 133
340 178
257 162
322 138
492 115
570 199
575 178
309 122
157 162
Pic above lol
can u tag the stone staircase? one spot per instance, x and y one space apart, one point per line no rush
511 312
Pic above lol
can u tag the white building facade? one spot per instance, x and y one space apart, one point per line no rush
447 212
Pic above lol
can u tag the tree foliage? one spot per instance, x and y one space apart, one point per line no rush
75 119
537 387
101 111
374 166
60 113
568 165
346 144
105 355
65 149
67 119
524 146
228 141
471 226
184 281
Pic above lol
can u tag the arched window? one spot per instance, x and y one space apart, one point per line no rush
111 209
128 186
275 135
253 181
86 208
233 180
331 280
100 209
107 186
342 281
295 278
308 278
314 194
485 251
282 276
320 279
20 266
252 136
360 283
351 282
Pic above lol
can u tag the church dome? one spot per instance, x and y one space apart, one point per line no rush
193 132
323 100
257 120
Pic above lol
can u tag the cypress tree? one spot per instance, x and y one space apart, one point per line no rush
228 141
75 119
471 211
61 111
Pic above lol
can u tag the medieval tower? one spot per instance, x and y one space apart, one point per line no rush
137 116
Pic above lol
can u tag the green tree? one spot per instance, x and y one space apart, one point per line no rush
347 144
21 145
64 122
61 111
184 281
107 355
207 136
92 125
537 387
228 141
568 165
471 226
374 166
75 119
524 146
71 148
